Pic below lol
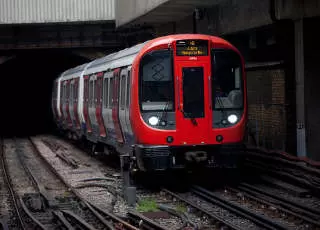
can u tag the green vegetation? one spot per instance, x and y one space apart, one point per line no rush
181 208
147 205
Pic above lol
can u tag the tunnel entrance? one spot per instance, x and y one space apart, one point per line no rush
25 90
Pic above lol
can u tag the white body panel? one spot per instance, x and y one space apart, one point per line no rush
58 96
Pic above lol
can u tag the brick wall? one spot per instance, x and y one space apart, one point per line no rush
266 104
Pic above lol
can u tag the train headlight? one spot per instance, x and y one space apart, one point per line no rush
232 118
153 120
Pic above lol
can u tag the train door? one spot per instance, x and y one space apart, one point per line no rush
127 108
64 105
75 103
86 103
193 113
71 102
107 104
115 108
122 99
67 103
99 118
92 103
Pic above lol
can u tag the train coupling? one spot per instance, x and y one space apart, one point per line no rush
196 156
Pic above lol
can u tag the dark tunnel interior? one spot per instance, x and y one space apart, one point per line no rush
25 90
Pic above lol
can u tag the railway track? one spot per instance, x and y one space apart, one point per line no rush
258 218
11 218
226 211
43 205
215 221
112 221
277 206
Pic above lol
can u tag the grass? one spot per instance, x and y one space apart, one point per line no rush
181 208
147 205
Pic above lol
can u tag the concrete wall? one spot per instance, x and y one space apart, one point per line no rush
52 11
128 10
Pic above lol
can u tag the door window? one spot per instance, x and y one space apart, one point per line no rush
193 92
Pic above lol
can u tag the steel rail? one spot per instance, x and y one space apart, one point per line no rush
248 214
77 194
211 215
7 178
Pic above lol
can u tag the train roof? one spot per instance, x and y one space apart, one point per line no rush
74 72
119 59
126 56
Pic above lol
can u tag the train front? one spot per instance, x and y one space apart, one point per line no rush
188 103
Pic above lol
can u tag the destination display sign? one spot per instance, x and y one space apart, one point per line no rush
192 48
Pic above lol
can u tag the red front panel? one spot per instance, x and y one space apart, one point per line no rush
86 103
144 134
75 103
102 130
115 107
193 113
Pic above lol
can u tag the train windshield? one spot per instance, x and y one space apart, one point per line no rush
227 84
156 81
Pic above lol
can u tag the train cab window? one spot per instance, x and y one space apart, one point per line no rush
227 86
110 103
128 89
156 81
105 92
123 91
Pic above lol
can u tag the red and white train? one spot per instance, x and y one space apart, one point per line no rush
166 102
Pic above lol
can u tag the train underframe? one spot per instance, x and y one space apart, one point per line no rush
162 158
157 158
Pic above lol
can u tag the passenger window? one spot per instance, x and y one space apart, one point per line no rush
122 91
75 91
110 104
91 93
95 91
71 94
64 93
128 89
105 92
68 90
61 91
86 90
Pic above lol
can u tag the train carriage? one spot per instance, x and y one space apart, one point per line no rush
166 102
